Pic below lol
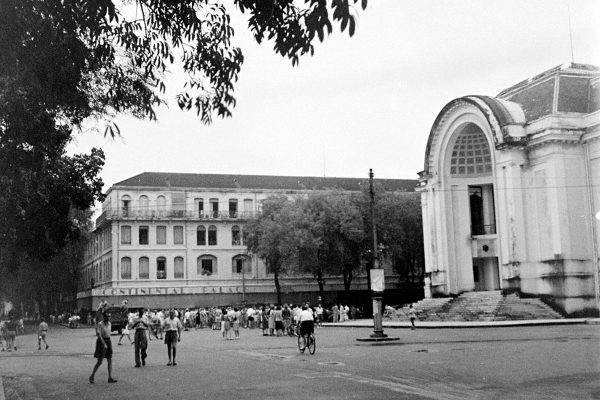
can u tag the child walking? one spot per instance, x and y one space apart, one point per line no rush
412 315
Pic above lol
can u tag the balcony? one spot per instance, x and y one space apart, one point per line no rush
480 229
129 214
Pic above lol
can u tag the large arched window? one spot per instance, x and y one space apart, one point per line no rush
144 268
471 152
125 268
212 235
201 236
241 264
206 265
178 268
236 236
143 201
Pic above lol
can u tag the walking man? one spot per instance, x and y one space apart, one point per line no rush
140 338
42 331
103 347
172 327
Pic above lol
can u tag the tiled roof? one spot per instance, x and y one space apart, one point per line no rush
221 181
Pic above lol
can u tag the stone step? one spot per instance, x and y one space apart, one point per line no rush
481 306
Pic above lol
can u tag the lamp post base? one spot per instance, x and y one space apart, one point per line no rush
374 339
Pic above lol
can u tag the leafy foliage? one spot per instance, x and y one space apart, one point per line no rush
329 234
64 61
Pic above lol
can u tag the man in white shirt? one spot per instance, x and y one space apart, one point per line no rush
306 321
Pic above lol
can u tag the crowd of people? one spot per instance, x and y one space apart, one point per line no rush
274 320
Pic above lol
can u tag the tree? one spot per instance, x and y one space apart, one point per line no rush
334 236
65 61
400 230
268 237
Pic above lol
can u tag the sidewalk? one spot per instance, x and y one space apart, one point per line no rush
368 323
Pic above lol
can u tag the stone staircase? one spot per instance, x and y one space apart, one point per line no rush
482 306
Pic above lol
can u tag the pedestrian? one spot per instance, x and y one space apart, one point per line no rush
278 320
3 335
336 313
125 332
172 327
264 321
11 332
224 323
271 320
103 347
42 331
237 316
319 311
140 338
412 315
198 320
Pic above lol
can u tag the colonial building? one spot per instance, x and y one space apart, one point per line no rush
177 240
510 189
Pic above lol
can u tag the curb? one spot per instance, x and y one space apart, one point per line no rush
466 325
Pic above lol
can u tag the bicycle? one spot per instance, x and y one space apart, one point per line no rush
291 330
309 341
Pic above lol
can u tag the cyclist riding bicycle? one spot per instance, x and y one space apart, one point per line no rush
306 321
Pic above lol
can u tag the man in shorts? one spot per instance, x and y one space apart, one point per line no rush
11 332
172 327
42 331
103 347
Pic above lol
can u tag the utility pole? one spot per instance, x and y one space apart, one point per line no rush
376 277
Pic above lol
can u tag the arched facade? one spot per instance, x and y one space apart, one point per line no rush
508 193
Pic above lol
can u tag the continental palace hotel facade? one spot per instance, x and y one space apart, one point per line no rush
177 240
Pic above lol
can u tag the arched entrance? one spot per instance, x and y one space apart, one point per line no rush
471 173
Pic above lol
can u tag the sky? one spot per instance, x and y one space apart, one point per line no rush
363 102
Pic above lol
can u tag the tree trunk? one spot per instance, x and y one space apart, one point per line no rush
321 284
277 286
347 281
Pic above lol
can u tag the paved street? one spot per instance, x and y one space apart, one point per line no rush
549 362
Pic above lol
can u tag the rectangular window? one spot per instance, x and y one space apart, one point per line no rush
233 208
125 234
200 207
143 232
161 268
144 268
178 201
178 235
161 235
214 207
178 268
248 208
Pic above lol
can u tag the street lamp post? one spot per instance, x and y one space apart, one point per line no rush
376 276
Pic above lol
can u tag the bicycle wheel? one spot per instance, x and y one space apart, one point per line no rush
312 344
301 343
